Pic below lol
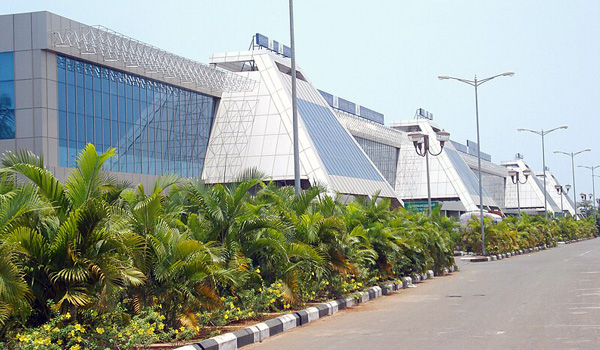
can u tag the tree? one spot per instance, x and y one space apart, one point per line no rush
78 251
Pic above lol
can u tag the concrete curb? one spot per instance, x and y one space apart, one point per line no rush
261 331
513 253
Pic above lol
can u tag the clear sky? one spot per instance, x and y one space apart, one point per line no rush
387 54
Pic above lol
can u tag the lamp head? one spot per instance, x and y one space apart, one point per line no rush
442 136
558 188
415 137
508 74
582 195
443 77
526 172
567 187
512 173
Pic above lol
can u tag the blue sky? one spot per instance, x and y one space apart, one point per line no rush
386 55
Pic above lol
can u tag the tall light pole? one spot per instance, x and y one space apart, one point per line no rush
543 133
593 185
572 155
421 143
294 104
514 177
475 83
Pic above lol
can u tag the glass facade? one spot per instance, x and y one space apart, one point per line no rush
7 96
465 173
155 128
338 151
385 157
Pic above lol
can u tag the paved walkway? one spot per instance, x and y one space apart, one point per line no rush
544 300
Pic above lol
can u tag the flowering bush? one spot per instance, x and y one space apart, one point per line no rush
113 330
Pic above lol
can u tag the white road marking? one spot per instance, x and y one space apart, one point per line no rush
580 255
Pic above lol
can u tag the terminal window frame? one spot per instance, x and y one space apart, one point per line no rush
156 128
7 96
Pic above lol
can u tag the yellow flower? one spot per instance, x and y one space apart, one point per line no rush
100 330
162 317
55 330
176 331
151 330
59 341
161 326
278 284
182 328
120 335
226 316
71 334
47 327
68 315
78 339
75 347
272 300
257 270
79 328
140 331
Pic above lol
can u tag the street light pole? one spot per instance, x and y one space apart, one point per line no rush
593 185
475 83
421 143
514 177
543 133
572 155
294 104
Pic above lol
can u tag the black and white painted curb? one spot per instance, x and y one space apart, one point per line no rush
261 331
496 257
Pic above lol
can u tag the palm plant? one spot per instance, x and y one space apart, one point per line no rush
78 252
184 272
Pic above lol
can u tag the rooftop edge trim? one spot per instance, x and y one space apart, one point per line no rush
116 47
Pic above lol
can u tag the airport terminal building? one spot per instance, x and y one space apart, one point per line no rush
64 84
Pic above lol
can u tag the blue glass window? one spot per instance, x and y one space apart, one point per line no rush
155 127
338 151
7 96
385 157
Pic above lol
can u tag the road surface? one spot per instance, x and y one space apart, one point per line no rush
543 300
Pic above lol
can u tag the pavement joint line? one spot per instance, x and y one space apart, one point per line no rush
469 257
265 329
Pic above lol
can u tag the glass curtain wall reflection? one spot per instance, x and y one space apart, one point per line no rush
385 157
155 128
7 96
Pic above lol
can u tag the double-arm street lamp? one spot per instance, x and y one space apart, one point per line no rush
475 83
421 143
543 133
572 155
593 185
560 191
514 177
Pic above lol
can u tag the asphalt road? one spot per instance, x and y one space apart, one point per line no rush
544 300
